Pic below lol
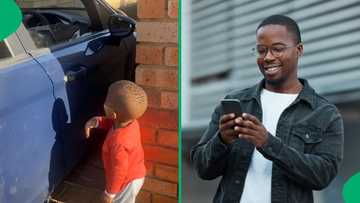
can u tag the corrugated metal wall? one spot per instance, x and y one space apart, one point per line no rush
223 33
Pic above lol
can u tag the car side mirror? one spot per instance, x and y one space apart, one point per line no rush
121 26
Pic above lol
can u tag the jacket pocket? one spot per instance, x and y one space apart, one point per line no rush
304 138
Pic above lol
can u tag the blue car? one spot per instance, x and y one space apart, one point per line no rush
54 73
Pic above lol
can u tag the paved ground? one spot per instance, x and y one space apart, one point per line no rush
86 182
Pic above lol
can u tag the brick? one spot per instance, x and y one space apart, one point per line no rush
163 199
157 118
169 100
166 173
157 54
155 76
143 197
173 6
168 138
150 168
146 54
154 96
161 155
161 187
151 8
148 135
171 56
165 32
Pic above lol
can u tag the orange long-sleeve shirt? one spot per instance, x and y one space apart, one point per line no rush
123 155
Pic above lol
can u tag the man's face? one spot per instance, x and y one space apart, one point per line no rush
279 63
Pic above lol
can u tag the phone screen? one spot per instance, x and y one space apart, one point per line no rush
231 106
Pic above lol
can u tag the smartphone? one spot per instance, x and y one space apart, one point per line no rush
231 106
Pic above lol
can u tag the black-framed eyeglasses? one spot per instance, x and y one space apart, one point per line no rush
261 51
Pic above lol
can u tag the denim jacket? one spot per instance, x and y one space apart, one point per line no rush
306 151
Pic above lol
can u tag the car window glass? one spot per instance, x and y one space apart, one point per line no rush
4 51
53 22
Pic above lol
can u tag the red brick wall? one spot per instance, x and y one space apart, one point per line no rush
157 73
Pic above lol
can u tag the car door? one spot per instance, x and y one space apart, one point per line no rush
90 61
27 103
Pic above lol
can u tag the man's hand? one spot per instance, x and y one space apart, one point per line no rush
226 128
106 199
251 129
91 123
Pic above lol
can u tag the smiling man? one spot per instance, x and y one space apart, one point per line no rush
288 142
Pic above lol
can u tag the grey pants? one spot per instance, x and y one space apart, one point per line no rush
128 195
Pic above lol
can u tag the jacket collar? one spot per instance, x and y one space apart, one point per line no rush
307 93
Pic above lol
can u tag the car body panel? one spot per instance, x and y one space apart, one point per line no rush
26 130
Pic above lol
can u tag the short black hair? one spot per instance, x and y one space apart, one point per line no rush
286 21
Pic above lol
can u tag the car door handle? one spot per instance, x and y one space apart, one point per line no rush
77 74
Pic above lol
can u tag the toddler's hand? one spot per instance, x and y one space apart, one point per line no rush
91 123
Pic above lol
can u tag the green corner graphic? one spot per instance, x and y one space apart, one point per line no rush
10 18
351 191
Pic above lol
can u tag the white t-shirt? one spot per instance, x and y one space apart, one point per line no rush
258 178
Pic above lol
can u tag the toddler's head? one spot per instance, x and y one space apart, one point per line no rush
125 101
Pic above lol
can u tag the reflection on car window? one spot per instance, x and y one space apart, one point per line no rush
4 51
52 22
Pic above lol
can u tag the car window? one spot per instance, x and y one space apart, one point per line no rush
4 51
55 22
